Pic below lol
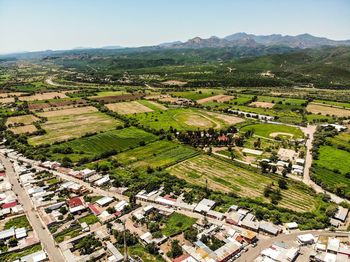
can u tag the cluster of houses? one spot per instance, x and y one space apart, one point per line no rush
279 252
331 249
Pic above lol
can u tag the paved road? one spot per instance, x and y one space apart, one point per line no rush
46 240
309 131
266 243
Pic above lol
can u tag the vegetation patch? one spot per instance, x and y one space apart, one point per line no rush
177 223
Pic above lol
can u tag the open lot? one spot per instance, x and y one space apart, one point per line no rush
327 110
72 123
185 119
43 96
177 223
118 140
224 176
125 108
156 154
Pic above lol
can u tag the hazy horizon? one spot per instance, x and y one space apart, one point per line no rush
37 25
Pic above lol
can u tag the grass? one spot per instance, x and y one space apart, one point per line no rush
333 103
177 223
224 176
180 119
118 140
14 255
69 232
89 219
139 251
157 154
342 141
198 94
334 159
266 130
18 222
68 126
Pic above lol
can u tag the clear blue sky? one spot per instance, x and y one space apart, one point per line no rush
27 25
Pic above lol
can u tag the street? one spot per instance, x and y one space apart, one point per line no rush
46 240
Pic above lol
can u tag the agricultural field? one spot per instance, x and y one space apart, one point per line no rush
22 120
73 123
333 103
118 140
108 93
332 167
226 177
157 154
43 96
125 108
153 105
273 130
27 129
185 119
216 98
198 94
327 110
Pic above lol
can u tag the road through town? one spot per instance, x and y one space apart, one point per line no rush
45 238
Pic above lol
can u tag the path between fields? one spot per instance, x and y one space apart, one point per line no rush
309 132
216 150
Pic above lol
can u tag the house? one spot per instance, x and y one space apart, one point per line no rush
279 252
147 238
342 214
105 201
251 225
292 225
94 209
215 215
102 181
204 205
116 255
333 245
74 202
269 228
306 239
119 207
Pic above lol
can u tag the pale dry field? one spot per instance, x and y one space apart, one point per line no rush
217 98
43 96
231 120
70 111
25 119
262 104
125 108
174 83
7 100
10 94
327 110
24 129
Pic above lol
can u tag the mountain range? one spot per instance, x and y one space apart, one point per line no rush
250 40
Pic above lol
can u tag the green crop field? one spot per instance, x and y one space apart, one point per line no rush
270 130
156 154
334 159
333 103
226 177
118 140
180 119
177 223
341 141
73 123
198 94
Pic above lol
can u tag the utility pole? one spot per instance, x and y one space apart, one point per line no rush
126 258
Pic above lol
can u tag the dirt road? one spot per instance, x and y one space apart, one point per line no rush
46 240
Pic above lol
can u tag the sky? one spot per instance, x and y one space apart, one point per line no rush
33 25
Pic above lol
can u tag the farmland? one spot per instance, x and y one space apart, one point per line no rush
23 120
227 177
157 154
327 110
198 94
125 108
118 140
43 96
183 119
273 130
72 123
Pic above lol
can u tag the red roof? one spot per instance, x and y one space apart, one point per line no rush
223 138
2 174
181 258
168 197
74 202
94 209
117 213
10 204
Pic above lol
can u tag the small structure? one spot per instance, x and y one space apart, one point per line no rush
306 239
204 205
341 214
104 201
